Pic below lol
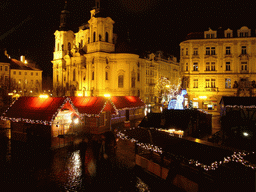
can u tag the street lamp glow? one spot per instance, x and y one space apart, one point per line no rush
106 95
76 121
202 97
43 96
245 134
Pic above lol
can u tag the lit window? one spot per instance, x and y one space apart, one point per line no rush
106 75
228 51
106 36
195 51
227 83
213 83
227 66
207 51
195 83
74 75
207 66
212 66
120 81
195 66
19 81
244 66
133 81
243 49
212 50
207 83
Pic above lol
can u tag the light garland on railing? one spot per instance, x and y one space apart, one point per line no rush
142 145
237 157
240 106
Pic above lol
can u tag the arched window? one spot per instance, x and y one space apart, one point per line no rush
74 75
62 47
88 40
93 75
133 81
106 60
106 36
93 60
106 75
85 60
120 81
99 37
69 46
94 36
58 47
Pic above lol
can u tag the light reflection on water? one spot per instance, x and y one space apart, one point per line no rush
65 170
74 167
141 186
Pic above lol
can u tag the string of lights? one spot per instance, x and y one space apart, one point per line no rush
237 157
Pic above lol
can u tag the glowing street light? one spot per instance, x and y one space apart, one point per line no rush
245 134
43 96
76 121
107 95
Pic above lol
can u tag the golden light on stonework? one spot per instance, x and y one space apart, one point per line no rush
43 96
202 97
107 95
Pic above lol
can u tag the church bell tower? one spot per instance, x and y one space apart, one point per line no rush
101 30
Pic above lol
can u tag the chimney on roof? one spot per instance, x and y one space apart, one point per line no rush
22 58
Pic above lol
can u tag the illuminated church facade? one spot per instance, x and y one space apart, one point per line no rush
86 63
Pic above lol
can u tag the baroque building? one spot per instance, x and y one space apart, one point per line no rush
90 63
218 63
19 78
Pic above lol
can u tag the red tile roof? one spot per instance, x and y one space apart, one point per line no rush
15 64
44 110
92 105
39 110
127 102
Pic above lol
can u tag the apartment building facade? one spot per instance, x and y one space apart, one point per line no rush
218 63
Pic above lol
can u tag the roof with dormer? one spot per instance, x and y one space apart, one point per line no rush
16 64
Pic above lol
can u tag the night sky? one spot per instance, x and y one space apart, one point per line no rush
27 27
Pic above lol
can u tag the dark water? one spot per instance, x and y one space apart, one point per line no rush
27 168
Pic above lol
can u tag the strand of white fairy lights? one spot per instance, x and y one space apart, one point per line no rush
146 146
237 157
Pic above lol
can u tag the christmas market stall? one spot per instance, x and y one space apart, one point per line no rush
52 120
130 110
100 113
95 112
